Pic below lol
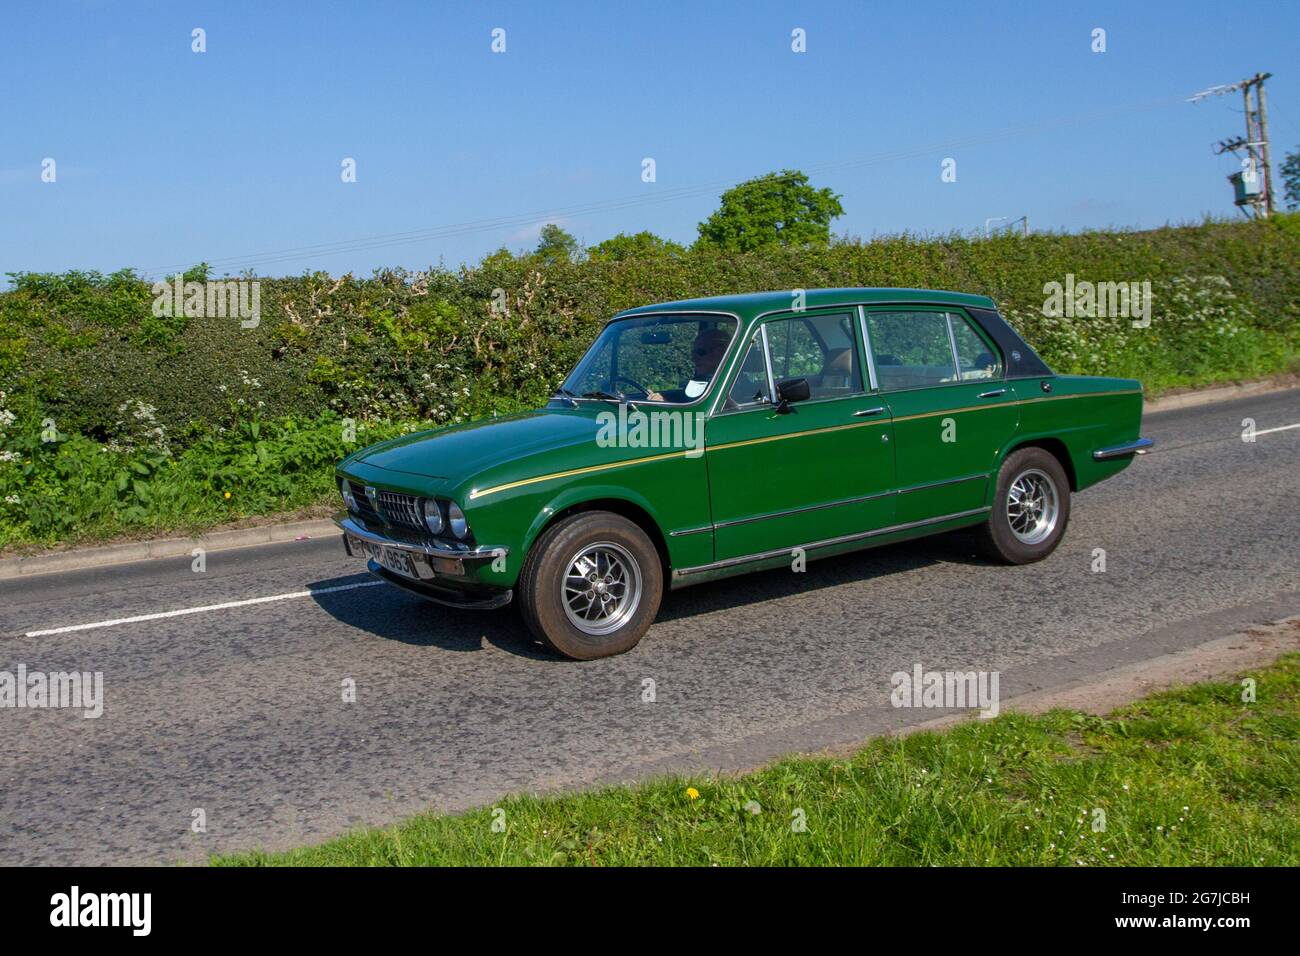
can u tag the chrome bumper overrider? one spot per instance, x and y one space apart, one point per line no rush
1139 447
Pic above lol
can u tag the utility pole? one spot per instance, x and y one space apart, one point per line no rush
1254 183
1270 203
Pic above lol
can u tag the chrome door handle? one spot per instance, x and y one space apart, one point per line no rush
869 411
994 393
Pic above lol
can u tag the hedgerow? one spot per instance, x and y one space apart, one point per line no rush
83 357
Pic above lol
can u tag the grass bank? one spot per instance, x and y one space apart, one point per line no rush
1191 777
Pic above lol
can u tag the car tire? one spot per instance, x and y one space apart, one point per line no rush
1031 508
623 577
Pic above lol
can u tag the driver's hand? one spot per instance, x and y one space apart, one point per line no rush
653 396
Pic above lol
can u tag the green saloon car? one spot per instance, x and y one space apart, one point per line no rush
700 439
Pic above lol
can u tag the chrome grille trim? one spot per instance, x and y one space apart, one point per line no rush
364 507
401 509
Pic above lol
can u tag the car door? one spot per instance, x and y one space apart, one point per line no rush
945 386
821 470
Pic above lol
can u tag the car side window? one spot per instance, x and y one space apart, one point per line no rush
911 349
976 359
750 386
819 348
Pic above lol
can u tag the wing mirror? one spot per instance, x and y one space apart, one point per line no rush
791 390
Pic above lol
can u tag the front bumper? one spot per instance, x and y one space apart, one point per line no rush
440 573
1139 447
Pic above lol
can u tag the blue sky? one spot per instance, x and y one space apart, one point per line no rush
167 157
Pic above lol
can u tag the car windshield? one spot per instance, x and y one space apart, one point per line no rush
668 359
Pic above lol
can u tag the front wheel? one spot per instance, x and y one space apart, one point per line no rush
1031 507
591 585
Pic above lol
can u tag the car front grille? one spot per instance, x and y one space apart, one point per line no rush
401 510
394 509
364 508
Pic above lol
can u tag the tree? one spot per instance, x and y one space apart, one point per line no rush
1290 170
555 245
774 209
642 245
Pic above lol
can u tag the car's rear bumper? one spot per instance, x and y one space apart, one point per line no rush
1139 447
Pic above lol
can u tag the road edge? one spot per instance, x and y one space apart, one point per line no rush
113 554
1218 393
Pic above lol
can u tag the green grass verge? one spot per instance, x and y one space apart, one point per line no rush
1192 777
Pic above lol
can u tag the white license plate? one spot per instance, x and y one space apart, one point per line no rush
390 558
395 560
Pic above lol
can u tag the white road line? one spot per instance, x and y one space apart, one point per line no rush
1280 428
199 610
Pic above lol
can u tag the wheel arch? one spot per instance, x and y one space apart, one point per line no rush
627 508
1053 446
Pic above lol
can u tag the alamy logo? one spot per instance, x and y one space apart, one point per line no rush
38 690
103 909
950 689
220 299
1122 300
657 429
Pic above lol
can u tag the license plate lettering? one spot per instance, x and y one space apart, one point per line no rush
390 558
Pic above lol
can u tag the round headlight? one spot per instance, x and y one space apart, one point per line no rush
346 490
456 519
432 516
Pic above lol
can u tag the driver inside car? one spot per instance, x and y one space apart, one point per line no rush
706 352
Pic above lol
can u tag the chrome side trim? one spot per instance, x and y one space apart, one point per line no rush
866 344
351 527
863 413
1139 447
825 543
767 362
806 508
952 344
685 531
845 501
940 484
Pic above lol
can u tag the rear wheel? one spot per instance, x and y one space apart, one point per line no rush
1031 507
591 585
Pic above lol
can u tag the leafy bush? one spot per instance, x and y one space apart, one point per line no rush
158 417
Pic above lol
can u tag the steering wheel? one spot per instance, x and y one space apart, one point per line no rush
645 392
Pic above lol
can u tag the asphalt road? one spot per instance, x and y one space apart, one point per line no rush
239 711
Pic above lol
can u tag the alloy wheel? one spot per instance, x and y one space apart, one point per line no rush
1033 506
601 589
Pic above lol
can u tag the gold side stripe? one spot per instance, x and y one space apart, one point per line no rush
484 492
1019 401
809 431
